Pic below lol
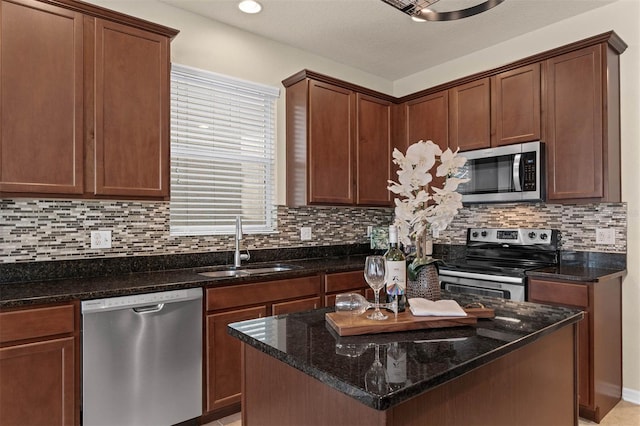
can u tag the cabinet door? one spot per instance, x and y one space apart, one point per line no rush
573 295
428 119
38 383
515 109
131 111
41 110
470 116
373 158
223 357
330 144
574 125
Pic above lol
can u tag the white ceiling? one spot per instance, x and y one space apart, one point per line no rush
372 36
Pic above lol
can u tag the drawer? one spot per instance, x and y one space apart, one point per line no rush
262 292
36 322
295 306
561 293
343 281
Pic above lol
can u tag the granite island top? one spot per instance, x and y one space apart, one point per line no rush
415 361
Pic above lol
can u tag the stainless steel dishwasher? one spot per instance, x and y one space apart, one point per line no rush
142 359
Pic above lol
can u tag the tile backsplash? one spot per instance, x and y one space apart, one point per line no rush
41 230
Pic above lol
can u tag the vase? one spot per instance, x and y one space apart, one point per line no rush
424 245
426 285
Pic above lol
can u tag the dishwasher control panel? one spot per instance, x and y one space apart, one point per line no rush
139 300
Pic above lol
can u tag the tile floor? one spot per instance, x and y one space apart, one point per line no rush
624 414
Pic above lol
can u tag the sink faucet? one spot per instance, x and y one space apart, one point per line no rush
237 257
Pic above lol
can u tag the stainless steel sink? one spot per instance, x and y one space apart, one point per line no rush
225 273
233 272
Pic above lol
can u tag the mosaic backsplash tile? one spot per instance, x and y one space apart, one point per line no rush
40 230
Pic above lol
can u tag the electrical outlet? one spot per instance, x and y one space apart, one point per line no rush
305 233
605 236
100 239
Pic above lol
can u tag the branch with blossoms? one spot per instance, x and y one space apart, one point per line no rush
421 207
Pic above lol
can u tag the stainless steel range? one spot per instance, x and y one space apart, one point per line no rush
496 261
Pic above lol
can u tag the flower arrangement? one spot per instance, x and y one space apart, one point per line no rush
423 208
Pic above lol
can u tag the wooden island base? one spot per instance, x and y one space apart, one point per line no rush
534 385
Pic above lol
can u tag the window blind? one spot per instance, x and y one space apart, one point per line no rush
222 153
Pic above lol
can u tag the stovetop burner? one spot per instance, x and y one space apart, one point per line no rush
508 252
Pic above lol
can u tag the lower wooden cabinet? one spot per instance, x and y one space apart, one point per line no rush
223 357
599 338
240 302
39 383
345 282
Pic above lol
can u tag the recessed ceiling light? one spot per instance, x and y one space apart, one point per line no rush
250 6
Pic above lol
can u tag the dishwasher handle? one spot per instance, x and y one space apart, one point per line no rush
149 309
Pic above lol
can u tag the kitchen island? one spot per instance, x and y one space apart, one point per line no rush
518 368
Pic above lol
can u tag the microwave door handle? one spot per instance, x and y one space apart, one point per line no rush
516 172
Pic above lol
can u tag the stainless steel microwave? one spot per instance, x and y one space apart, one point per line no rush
511 173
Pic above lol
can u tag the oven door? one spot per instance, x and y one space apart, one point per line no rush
484 287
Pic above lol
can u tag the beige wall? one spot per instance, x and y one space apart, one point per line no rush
216 47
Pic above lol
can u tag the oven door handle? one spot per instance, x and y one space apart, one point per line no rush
485 277
516 173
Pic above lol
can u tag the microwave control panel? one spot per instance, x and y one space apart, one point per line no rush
529 166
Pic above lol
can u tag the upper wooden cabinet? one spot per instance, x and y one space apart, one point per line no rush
330 143
583 125
427 118
338 143
131 111
85 102
470 115
373 151
41 110
515 106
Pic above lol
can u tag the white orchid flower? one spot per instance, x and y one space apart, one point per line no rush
452 183
421 207
450 162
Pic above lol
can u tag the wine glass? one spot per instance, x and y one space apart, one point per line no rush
375 379
355 304
374 272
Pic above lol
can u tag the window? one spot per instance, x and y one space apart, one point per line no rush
222 154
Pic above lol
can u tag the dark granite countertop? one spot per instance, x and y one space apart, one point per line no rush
61 281
419 360
577 273
19 294
584 267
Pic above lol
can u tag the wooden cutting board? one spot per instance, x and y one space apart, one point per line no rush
350 325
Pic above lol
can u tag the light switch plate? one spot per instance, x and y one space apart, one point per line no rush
100 239
605 236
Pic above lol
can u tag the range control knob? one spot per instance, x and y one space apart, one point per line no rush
543 236
532 235
474 234
484 233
